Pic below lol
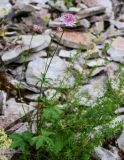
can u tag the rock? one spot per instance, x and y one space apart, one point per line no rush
69 40
78 67
58 5
120 110
96 62
117 50
119 25
85 23
13 54
18 73
4 9
22 2
104 154
36 42
33 97
105 3
33 56
57 23
90 92
20 8
25 86
56 72
17 110
39 1
74 9
98 27
53 94
23 128
14 111
97 71
2 102
120 141
67 54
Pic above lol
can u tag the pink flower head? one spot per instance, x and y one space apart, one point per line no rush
37 28
59 29
68 19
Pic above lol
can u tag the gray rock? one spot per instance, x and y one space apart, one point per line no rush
20 8
39 1
12 55
56 72
59 5
16 110
5 8
120 141
117 50
89 93
33 56
98 27
2 102
96 62
97 71
85 23
33 97
104 154
34 43
74 9
105 3
23 128
24 86
119 25
67 54
53 94
37 42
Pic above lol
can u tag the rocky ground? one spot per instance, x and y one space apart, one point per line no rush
103 18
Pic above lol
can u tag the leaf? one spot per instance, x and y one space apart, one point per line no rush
52 113
43 139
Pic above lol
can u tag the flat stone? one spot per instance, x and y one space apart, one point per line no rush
16 110
67 54
74 39
13 112
74 9
33 56
5 8
98 27
58 5
33 97
37 42
39 1
90 92
105 3
120 141
12 55
3 96
24 86
119 25
97 71
117 50
19 8
96 62
56 72
104 154
53 94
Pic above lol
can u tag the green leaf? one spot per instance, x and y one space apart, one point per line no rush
52 113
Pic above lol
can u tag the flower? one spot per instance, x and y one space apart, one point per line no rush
37 28
68 19
59 29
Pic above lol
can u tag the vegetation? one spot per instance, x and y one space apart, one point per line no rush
65 129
